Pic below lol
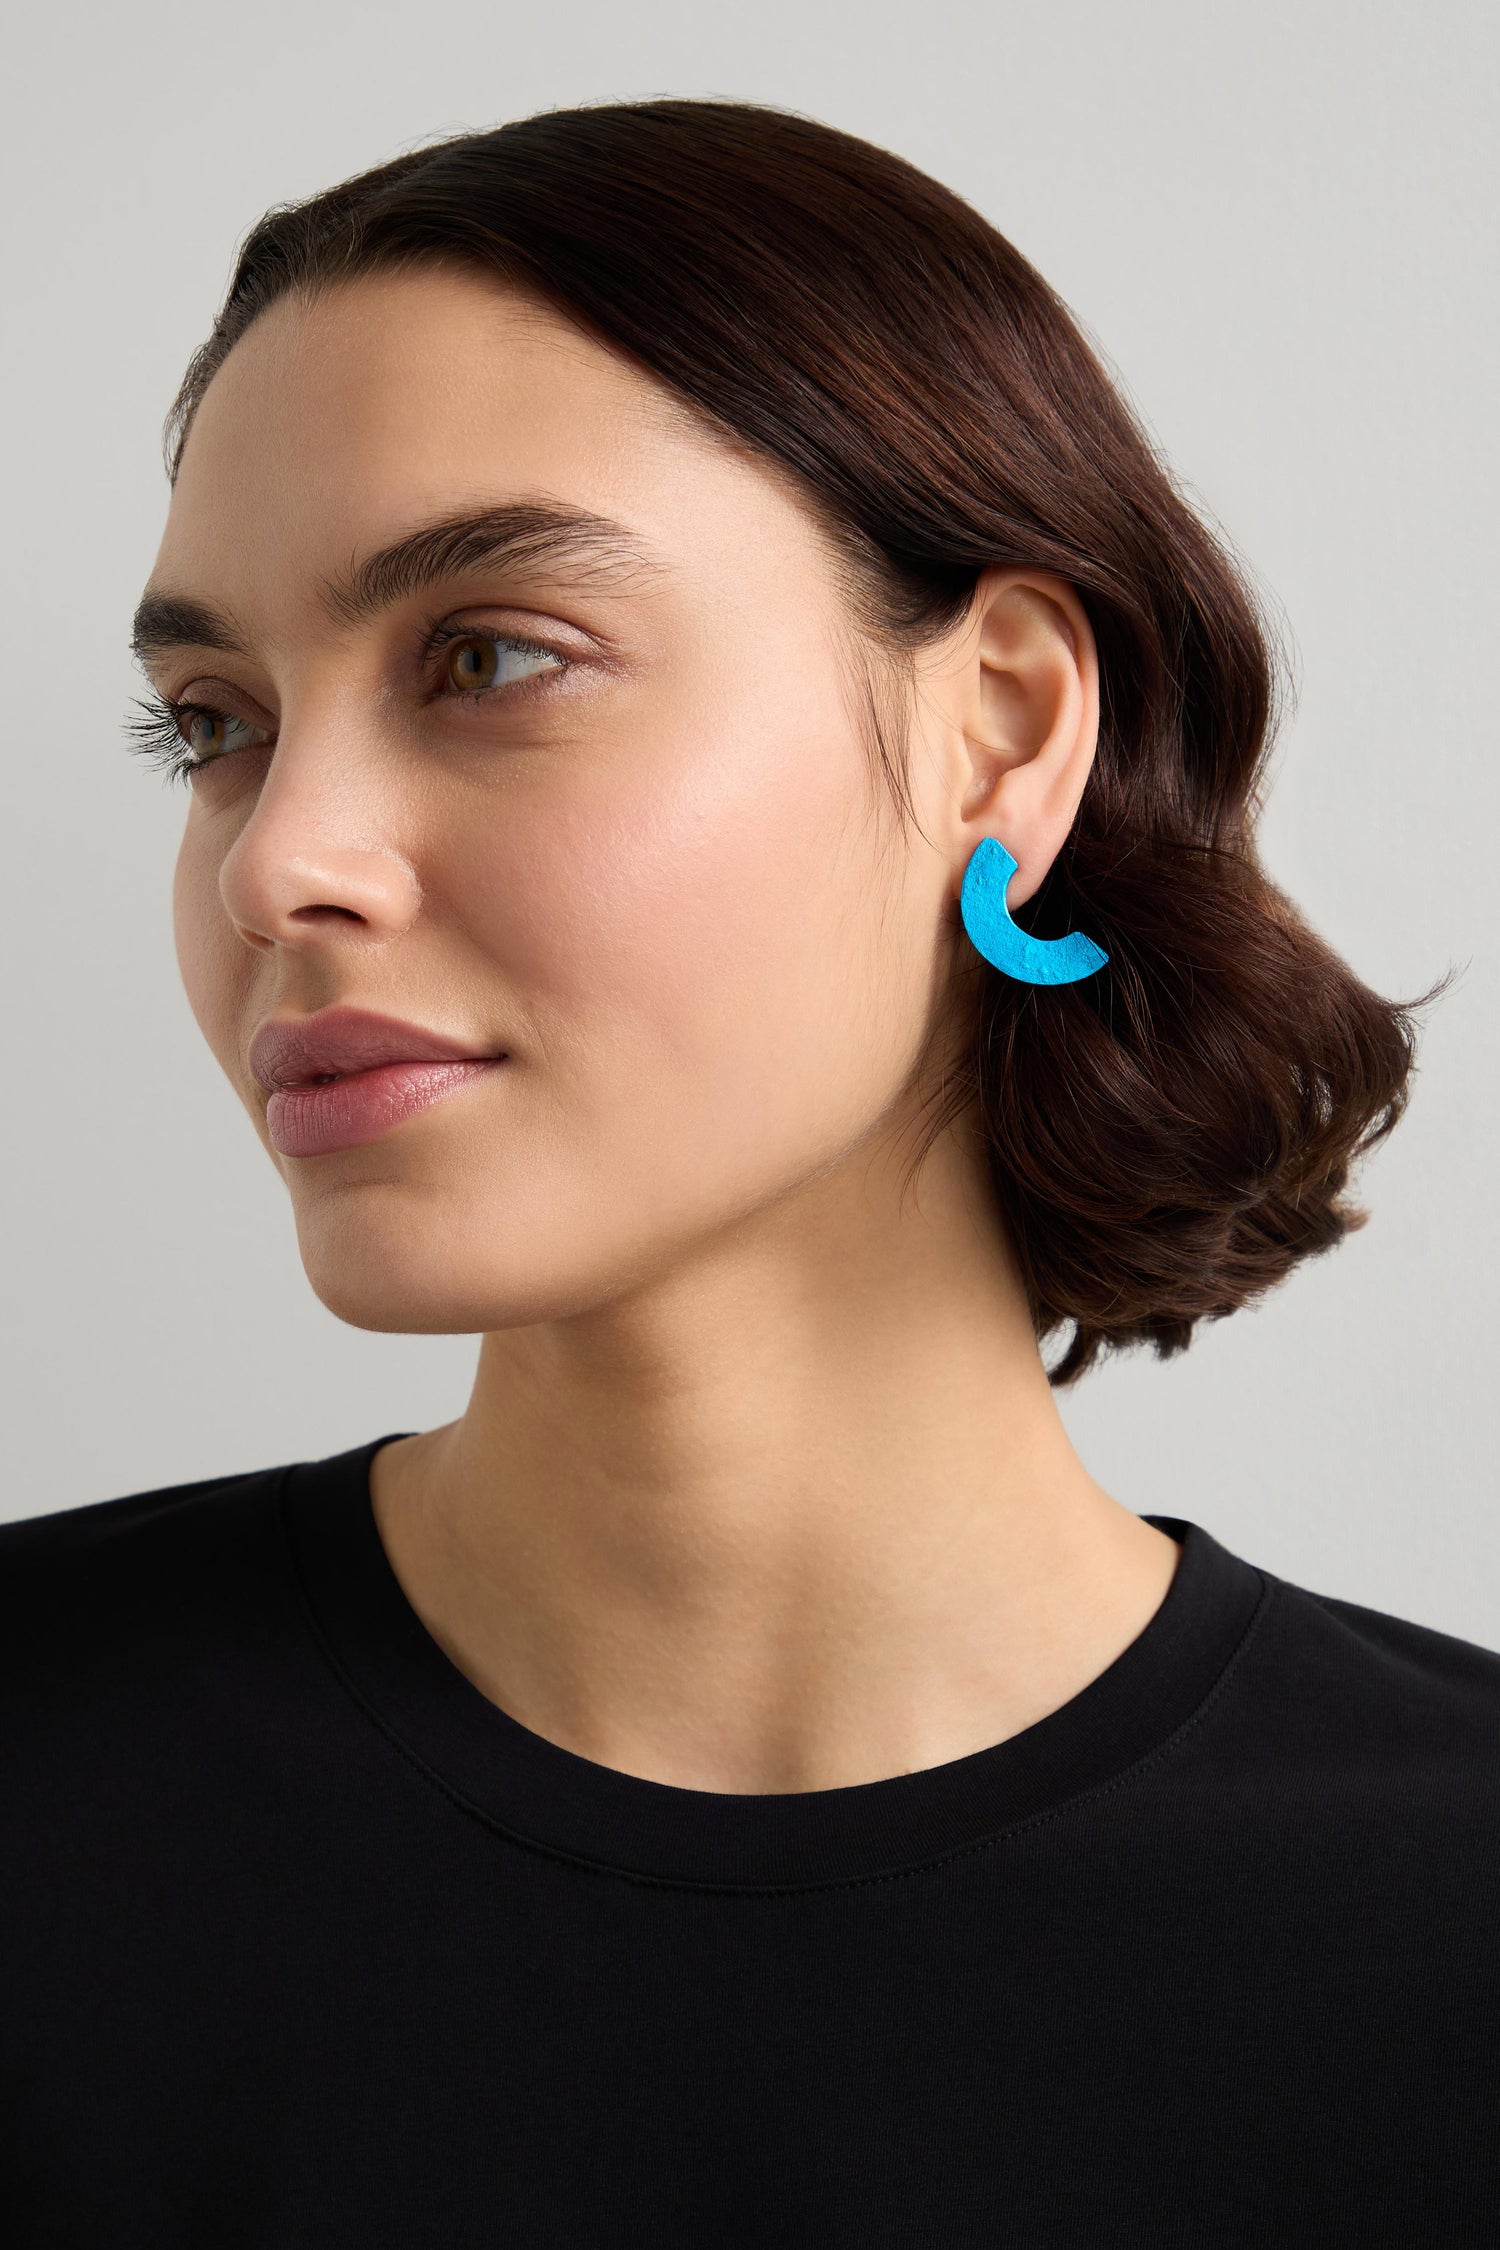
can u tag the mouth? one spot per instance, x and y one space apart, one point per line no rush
337 1110
345 1075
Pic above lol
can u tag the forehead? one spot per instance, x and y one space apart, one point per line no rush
335 424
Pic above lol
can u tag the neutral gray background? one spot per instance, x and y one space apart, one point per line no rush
1278 224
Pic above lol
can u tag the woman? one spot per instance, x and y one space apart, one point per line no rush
720 858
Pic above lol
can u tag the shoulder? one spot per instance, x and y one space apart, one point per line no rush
138 1573
156 1668
1391 1653
136 1528
1365 1703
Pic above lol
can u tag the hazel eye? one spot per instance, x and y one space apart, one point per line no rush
483 661
212 734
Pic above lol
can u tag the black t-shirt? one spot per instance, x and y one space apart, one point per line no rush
306 1943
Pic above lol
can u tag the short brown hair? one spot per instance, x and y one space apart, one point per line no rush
1168 1137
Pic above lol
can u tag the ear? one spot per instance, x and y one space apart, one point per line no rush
1024 685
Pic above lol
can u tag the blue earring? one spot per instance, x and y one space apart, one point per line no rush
987 919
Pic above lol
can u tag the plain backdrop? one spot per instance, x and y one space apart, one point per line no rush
1277 222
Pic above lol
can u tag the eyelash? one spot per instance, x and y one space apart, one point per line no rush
157 736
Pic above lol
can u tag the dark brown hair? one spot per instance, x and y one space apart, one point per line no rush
1168 1136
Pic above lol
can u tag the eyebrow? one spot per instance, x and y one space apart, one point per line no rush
594 550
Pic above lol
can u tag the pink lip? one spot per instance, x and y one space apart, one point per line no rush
316 1120
379 1071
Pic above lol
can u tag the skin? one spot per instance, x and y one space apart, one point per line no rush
761 1485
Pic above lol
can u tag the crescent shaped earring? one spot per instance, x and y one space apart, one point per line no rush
986 917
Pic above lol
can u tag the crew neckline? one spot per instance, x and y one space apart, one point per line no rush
554 1800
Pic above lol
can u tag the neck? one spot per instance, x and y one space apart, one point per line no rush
799 1514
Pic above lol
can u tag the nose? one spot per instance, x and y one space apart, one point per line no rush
318 848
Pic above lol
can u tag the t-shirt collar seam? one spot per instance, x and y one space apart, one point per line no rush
587 1864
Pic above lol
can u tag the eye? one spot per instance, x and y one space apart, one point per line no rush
212 734
180 738
477 662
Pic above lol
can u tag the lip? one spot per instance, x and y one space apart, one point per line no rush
293 1050
378 1070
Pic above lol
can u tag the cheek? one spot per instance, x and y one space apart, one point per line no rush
721 967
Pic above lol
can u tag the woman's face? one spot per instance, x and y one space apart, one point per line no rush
645 860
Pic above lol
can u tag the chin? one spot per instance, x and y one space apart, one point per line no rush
447 1279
